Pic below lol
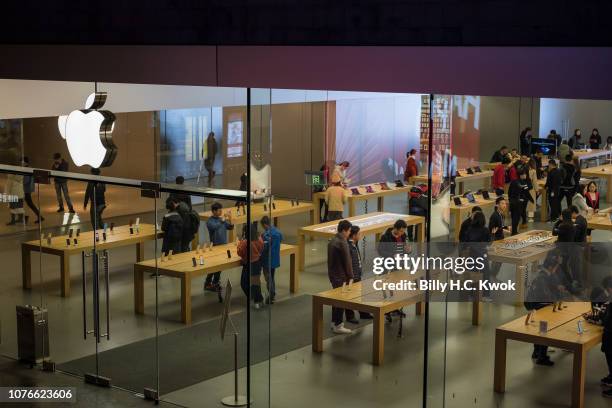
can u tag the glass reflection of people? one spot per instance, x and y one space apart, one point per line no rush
543 291
29 187
14 191
96 194
61 184
209 156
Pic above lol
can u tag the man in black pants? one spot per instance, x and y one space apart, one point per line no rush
544 291
518 195
568 185
95 193
61 184
28 188
553 186
339 270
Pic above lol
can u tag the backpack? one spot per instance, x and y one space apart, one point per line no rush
193 222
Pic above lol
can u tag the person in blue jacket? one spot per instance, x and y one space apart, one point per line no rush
270 258
218 225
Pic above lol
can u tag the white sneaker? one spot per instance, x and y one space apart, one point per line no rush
340 329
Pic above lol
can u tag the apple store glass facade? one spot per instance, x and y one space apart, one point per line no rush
174 241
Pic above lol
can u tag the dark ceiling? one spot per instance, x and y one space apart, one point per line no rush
315 22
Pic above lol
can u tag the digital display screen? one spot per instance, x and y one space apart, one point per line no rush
546 146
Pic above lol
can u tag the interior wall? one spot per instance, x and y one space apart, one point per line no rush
134 136
579 113
501 121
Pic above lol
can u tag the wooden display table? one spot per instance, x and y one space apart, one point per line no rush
485 176
363 195
119 237
460 212
521 257
364 298
562 333
590 154
600 222
281 208
373 223
601 172
181 266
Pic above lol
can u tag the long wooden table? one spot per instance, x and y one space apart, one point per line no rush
521 258
459 211
600 222
601 172
485 176
364 298
584 154
181 267
378 192
372 223
562 333
281 208
119 237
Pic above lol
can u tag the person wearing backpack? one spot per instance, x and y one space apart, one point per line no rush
172 226
191 224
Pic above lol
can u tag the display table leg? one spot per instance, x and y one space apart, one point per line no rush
317 325
186 299
294 276
381 204
477 309
140 251
65 274
378 332
315 217
351 208
26 267
609 189
419 307
499 376
457 227
138 290
421 228
301 251
578 378
544 205
232 234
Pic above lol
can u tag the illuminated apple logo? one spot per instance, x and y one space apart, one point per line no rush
88 133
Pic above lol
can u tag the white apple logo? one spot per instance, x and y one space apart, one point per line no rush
88 133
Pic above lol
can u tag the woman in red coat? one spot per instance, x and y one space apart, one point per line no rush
411 165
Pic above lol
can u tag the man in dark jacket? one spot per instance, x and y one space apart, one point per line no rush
568 185
518 195
189 230
466 224
543 291
172 226
499 155
186 198
353 242
580 225
393 241
554 179
497 226
209 156
95 193
29 187
218 225
339 270
61 184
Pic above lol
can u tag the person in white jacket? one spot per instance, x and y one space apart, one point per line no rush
15 194
579 201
